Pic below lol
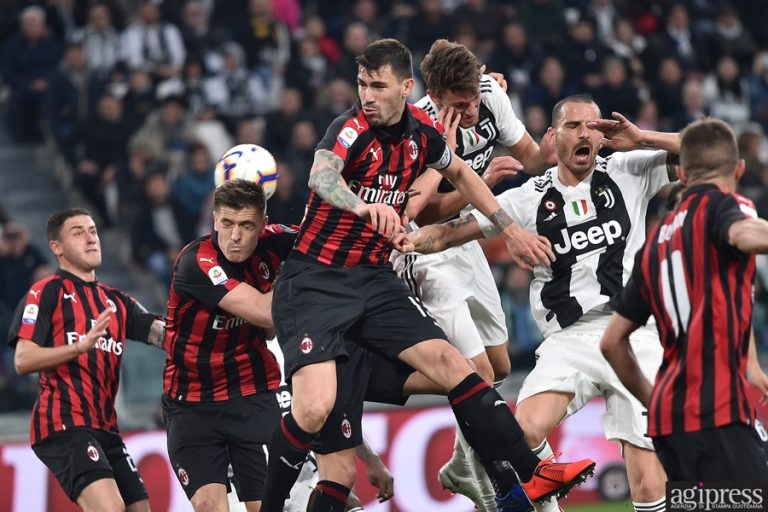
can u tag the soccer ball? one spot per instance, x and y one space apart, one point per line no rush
248 162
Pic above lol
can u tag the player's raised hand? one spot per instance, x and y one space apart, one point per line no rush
380 477
99 330
449 117
384 219
619 133
496 76
501 167
527 249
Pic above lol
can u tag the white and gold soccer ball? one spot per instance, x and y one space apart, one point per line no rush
248 162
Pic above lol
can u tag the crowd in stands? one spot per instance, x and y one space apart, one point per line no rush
140 97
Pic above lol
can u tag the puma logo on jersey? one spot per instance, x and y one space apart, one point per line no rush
375 153
34 293
70 296
593 237
208 260
499 402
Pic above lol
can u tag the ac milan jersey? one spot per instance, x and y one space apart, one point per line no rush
698 287
497 124
213 355
380 168
59 311
595 228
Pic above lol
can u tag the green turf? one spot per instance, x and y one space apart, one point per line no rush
619 506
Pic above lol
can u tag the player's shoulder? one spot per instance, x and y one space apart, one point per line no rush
491 93
44 288
428 105
197 254
746 205
349 125
539 185
422 117
277 236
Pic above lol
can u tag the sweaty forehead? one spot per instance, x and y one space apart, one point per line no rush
579 112
382 74
248 214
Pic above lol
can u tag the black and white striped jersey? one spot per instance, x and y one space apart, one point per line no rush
595 229
497 124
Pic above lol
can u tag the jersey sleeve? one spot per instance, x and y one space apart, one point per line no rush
632 301
725 210
511 201
281 239
649 168
341 136
138 319
201 278
511 129
438 154
33 316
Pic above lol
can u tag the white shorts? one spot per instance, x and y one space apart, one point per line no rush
570 361
458 288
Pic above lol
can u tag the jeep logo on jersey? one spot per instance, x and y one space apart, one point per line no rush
346 428
306 345
587 238
480 160
93 453
377 195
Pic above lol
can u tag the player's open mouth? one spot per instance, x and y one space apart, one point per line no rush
583 151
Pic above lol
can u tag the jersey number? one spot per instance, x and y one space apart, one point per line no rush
678 306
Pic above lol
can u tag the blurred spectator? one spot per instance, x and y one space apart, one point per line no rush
286 206
367 12
64 16
21 264
153 45
139 100
727 93
694 105
749 142
545 22
200 39
356 38
648 117
626 44
315 29
606 15
29 58
308 69
550 86
288 12
131 174
486 19
100 146
514 58
730 38
193 85
101 41
334 99
758 89
167 132
524 336
678 39
68 99
160 229
194 184
251 131
583 54
429 24
303 141
617 93
280 123
536 122
668 91
265 40
235 92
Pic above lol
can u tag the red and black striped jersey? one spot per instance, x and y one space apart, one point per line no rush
698 287
211 354
380 167
58 311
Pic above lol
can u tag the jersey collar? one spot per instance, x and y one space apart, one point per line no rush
72 277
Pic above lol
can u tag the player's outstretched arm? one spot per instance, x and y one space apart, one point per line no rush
249 304
31 357
623 135
749 235
618 352
438 237
156 336
326 181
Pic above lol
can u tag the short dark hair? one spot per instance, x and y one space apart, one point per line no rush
708 149
57 219
557 110
240 194
387 52
450 67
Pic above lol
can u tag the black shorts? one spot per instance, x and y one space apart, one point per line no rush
204 438
80 456
317 308
731 453
364 376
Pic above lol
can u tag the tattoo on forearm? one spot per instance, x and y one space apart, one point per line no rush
647 144
500 219
325 179
156 335
672 162
426 244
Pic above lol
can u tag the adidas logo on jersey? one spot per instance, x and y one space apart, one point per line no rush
593 237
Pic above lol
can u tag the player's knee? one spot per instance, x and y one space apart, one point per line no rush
311 415
206 503
345 474
535 431
484 369
646 485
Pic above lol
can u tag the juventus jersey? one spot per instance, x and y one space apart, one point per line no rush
497 124
595 229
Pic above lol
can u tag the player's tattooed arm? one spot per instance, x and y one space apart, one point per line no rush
501 219
673 160
156 334
325 179
438 237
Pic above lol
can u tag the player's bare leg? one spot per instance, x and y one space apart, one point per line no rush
646 478
101 496
498 356
337 473
210 498
139 506
538 416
